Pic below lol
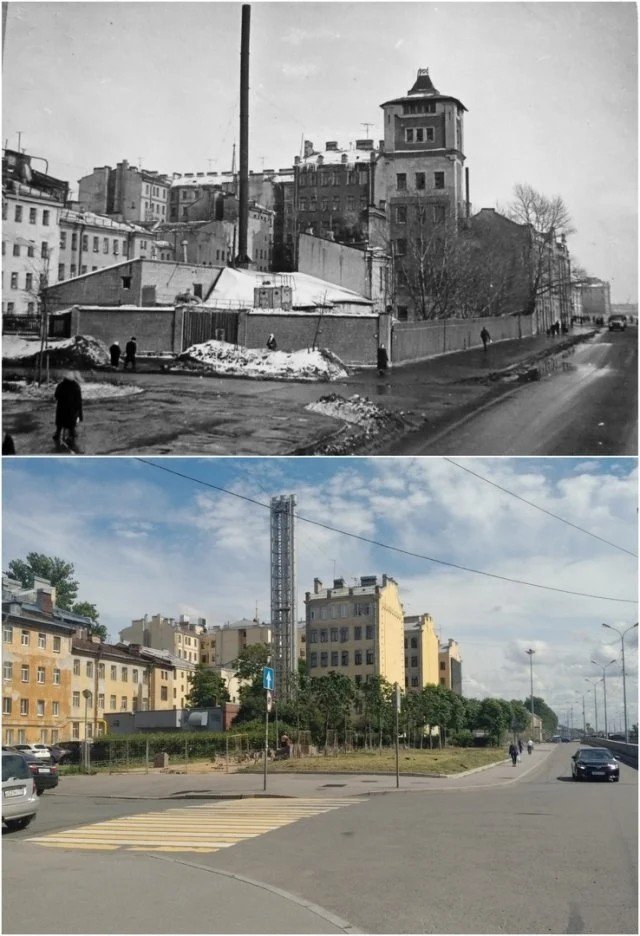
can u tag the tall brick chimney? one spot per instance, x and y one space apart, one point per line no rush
44 601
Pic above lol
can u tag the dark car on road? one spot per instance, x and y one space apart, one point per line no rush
595 764
45 774
617 323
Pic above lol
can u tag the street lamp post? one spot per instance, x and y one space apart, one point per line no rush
86 693
624 680
531 652
604 684
595 699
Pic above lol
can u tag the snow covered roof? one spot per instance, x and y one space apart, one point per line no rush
96 220
236 287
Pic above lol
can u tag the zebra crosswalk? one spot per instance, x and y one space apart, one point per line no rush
206 827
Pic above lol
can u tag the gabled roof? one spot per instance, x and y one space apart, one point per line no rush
237 286
423 88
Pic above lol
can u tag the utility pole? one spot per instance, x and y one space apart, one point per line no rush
595 700
531 653
604 683
621 635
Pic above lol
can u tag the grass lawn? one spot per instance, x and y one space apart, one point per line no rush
447 761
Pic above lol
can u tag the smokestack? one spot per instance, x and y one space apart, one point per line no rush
242 259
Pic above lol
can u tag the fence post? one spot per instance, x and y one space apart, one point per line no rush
146 757
186 755
226 741
110 755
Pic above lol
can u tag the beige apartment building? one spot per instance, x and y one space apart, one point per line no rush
450 667
356 630
420 652
179 637
220 646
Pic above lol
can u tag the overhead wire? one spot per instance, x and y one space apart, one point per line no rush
381 545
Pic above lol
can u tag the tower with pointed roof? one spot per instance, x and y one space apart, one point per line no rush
420 172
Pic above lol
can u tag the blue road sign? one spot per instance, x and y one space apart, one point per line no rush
268 678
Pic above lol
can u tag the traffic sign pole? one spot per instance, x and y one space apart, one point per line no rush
266 738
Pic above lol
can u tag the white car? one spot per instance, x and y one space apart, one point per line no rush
19 794
36 750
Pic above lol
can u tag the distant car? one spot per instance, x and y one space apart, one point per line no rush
44 774
617 323
595 764
19 794
37 750
565 740
556 739
58 754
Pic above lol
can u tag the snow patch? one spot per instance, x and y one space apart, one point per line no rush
79 351
220 357
356 410
21 390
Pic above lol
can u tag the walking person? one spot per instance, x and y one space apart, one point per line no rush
513 753
383 360
529 746
272 344
485 337
130 350
68 396
520 745
115 353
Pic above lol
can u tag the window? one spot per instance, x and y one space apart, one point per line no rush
16 250
112 703
72 270
351 203
126 282
24 706
24 673
362 610
40 707
401 214
414 681
40 675
324 204
75 730
83 269
55 708
75 700
18 214
96 244
31 307
7 633
408 135
42 641
7 670
85 242
369 656
56 677
335 204
14 280
134 675
324 659
401 247
313 636
431 134
344 634
9 738
438 180
6 705
44 250
114 672
164 693
31 250
357 633
57 643
76 667
369 632
442 667
344 658
414 661
414 643
105 245
334 633
101 700
357 657
101 669
24 638
334 657
63 240
45 218
323 634
123 704
421 181
401 181
313 659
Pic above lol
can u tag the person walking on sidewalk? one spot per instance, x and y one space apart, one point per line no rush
68 397
530 746
485 336
383 360
130 351
513 753
115 353
272 344
520 745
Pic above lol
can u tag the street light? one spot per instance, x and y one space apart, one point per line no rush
604 683
595 699
531 652
624 681
87 695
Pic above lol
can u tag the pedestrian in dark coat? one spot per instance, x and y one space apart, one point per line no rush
513 753
272 344
8 445
383 360
520 745
115 353
485 337
68 396
130 350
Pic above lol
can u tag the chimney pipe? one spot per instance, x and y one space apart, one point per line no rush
242 259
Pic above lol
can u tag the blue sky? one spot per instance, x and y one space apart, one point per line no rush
551 92
145 541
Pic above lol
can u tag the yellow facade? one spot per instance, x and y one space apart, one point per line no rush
220 646
450 667
420 652
356 630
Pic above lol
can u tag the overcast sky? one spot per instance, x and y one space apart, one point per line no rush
551 90
144 541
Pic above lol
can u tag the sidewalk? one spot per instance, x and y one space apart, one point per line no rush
158 785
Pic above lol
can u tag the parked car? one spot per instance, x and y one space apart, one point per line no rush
36 750
19 794
595 764
565 740
58 754
617 323
44 774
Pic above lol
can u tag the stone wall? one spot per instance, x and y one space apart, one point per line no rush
415 341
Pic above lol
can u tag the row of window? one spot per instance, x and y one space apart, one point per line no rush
7 707
30 249
333 177
78 700
419 134
25 673
423 107
437 213
326 612
342 634
19 214
44 735
336 204
155 191
25 638
420 181
341 658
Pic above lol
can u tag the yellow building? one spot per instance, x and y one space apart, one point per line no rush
179 637
356 630
450 667
420 652
36 664
170 679
220 646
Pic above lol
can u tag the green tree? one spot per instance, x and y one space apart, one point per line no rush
334 694
493 719
520 717
207 688
376 695
250 663
51 568
542 710
95 628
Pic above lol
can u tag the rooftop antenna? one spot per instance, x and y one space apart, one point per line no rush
366 127
139 162
233 160
19 140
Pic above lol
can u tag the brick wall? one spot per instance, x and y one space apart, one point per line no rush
353 338
154 329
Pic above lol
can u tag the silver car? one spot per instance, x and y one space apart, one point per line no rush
19 796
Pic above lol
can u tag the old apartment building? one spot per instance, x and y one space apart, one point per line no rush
221 645
356 630
127 192
450 667
179 637
420 652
